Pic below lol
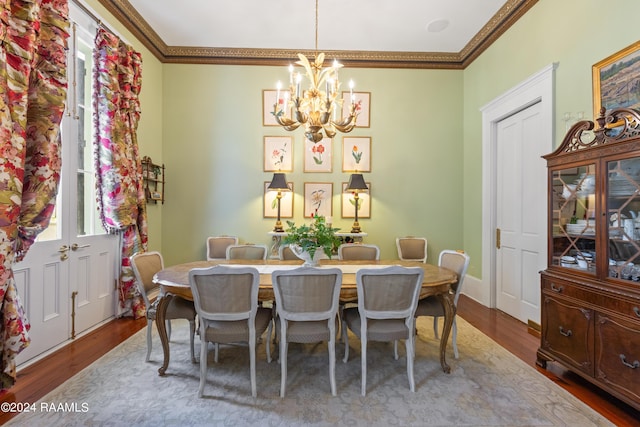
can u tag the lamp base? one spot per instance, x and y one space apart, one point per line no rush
356 227
278 228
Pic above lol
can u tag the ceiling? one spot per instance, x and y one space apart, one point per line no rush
367 33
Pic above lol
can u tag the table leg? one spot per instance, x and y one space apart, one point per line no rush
161 324
446 300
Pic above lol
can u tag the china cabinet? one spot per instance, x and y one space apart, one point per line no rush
590 290
153 180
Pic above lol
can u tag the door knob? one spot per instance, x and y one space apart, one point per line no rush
63 252
75 246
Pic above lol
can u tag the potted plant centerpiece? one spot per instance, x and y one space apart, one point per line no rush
308 242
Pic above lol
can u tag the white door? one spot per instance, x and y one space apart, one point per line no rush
67 279
520 214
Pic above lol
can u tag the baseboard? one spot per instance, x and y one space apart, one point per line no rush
533 328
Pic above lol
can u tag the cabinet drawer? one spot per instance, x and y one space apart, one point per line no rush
617 356
567 289
567 332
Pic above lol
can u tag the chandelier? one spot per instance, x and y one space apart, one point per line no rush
315 108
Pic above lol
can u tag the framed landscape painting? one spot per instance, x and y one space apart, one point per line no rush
271 202
318 157
616 80
349 202
278 154
318 199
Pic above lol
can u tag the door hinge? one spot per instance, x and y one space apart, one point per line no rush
497 238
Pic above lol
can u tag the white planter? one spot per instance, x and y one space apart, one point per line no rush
304 255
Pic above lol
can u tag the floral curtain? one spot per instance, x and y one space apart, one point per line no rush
121 198
33 87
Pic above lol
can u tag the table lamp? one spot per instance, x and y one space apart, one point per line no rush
279 184
356 183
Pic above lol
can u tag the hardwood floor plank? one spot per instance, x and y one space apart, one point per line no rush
40 378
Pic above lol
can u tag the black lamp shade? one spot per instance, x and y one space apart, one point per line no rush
356 182
279 182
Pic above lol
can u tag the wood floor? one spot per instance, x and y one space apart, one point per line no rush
38 379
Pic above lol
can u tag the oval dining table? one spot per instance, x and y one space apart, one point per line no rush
174 282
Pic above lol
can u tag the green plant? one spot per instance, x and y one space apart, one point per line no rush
317 235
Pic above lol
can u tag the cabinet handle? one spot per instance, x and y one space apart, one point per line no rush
556 289
636 310
633 365
568 333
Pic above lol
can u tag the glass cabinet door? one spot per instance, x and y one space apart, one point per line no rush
573 218
623 210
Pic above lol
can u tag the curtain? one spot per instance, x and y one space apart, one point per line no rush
120 192
33 87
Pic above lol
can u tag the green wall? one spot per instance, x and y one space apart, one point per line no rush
574 33
213 151
205 123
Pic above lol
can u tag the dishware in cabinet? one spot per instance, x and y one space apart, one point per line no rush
590 290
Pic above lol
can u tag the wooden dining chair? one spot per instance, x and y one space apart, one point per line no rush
247 251
358 251
431 306
145 265
387 300
306 312
226 300
217 246
412 248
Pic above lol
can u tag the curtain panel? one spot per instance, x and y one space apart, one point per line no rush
121 198
33 87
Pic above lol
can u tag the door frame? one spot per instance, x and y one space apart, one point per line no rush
538 88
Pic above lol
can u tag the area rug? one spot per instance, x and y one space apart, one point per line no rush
487 386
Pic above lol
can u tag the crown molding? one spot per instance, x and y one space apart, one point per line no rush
506 16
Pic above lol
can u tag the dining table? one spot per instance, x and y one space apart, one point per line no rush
174 282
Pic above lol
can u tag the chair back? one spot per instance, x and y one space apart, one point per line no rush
247 251
412 248
217 246
145 265
307 293
286 254
224 292
358 251
457 262
388 293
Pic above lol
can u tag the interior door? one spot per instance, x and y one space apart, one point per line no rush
67 279
520 214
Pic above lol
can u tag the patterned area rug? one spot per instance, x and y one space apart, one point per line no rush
487 387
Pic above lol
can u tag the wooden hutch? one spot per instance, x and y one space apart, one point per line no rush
591 288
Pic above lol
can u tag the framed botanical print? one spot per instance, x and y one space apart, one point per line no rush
363 107
268 101
349 202
318 199
318 157
271 202
278 154
356 154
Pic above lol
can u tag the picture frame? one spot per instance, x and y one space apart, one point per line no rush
348 207
356 154
363 107
318 157
610 77
278 154
268 99
318 199
270 203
